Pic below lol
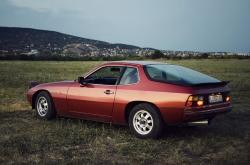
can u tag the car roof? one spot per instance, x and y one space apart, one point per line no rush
133 62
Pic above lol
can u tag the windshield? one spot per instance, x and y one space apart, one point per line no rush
177 75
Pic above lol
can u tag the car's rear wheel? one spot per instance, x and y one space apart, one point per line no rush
145 121
44 106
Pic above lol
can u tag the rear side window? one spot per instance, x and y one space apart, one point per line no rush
130 76
177 75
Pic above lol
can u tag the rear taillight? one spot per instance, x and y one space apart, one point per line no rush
201 100
195 101
228 98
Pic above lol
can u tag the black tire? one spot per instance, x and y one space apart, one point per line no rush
154 130
50 111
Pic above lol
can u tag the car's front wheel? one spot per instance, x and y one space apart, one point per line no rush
145 121
44 106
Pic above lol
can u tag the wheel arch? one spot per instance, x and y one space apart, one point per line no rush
131 104
35 95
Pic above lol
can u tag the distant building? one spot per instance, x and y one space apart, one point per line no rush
31 52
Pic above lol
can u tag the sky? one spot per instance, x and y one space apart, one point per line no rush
194 25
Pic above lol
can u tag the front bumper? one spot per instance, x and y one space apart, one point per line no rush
195 114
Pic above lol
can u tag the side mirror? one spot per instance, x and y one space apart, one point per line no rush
81 81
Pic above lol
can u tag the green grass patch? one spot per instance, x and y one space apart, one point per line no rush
26 139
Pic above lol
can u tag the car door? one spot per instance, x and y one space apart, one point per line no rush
95 99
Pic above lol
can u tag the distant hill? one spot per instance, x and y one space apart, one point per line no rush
12 38
33 44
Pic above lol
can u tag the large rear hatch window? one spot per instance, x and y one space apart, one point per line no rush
179 75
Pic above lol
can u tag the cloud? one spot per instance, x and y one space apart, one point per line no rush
54 6
88 9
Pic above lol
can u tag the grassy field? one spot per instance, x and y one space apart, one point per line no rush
25 139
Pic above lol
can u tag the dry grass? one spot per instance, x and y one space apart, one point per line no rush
26 140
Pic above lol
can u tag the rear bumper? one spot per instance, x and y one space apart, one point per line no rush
194 114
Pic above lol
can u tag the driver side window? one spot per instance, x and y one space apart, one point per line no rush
107 75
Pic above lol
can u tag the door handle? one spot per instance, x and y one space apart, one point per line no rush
108 92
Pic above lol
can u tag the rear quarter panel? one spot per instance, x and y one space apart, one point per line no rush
169 99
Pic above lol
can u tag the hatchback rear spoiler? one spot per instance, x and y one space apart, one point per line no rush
222 83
